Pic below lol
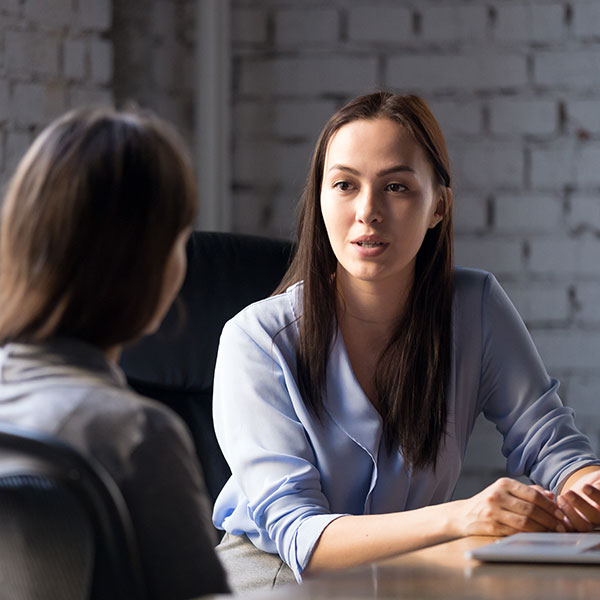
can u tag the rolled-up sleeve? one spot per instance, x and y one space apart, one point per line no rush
517 394
275 494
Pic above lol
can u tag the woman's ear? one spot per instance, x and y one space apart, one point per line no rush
442 207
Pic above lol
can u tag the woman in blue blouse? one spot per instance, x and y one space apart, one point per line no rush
344 403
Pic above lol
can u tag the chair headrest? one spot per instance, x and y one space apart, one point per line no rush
226 272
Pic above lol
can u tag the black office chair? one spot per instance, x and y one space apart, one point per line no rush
65 532
226 272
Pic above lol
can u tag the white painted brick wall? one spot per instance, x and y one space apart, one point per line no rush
35 53
96 14
56 55
447 24
527 22
527 213
452 73
515 86
379 23
249 26
584 115
307 27
510 116
307 77
586 16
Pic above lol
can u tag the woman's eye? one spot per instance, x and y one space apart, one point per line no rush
396 187
343 186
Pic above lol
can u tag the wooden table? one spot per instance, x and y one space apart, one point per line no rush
442 572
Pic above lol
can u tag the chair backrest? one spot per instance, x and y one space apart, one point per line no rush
226 272
65 531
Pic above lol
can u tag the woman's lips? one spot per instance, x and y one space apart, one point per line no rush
369 248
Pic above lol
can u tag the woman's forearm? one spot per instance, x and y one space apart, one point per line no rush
354 540
505 507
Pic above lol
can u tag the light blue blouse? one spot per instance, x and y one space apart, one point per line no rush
292 476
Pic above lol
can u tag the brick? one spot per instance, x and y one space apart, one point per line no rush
587 165
552 165
101 61
528 214
304 119
457 72
527 23
84 96
17 143
565 257
264 211
453 23
27 104
307 26
522 117
248 26
584 395
95 14
49 15
458 118
584 212
567 69
584 115
31 53
541 303
564 349
55 100
342 75
586 16
268 162
74 54
498 256
380 24
486 164
470 214
289 119
588 300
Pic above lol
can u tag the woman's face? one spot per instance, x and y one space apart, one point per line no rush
175 269
378 198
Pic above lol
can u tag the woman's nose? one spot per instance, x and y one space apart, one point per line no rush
368 209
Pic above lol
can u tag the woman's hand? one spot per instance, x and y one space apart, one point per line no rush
509 506
580 501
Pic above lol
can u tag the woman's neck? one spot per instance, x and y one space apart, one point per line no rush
371 305
113 353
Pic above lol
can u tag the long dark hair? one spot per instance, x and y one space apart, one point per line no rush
413 370
88 222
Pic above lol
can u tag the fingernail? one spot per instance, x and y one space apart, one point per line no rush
588 489
561 528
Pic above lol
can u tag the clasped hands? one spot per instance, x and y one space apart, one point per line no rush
509 506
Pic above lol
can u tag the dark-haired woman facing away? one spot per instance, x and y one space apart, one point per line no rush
92 254
357 386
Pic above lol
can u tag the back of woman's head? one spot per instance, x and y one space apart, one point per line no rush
88 222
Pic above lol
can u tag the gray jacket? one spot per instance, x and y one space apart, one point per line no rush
68 389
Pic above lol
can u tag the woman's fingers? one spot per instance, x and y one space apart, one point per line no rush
509 506
534 508
582 509
567 503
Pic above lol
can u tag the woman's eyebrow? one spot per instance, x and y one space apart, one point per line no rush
394 169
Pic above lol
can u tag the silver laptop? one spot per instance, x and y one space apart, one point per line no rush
541 547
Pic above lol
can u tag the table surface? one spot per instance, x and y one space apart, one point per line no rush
443 572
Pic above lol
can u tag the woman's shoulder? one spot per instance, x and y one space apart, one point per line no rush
473 284
272 314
